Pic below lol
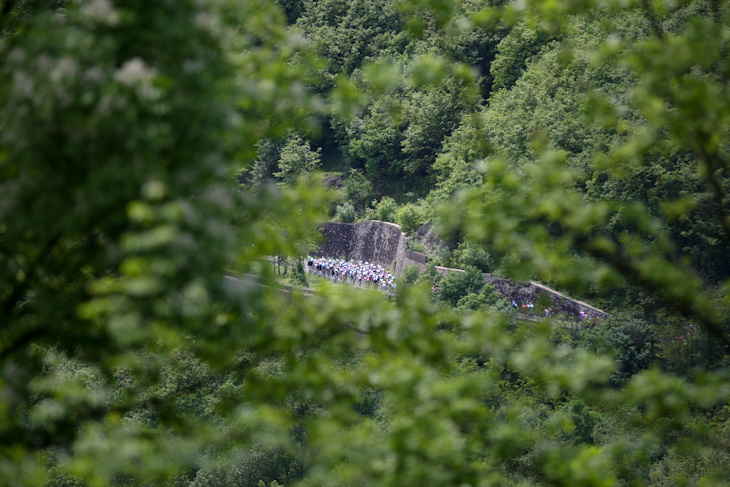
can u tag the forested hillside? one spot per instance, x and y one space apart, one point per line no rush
442 93
147 149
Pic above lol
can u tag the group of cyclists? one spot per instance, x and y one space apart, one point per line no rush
355 272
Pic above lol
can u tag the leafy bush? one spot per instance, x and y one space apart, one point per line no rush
583 421
411 273
297 158
470 254
410 218
456 285
357 190
384 210
475 300
632 340
300 276
345 213
268 152
429 275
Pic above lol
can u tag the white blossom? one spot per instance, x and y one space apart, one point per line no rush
134 71
101 11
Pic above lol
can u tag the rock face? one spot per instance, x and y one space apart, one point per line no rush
383 243
373 241
427 236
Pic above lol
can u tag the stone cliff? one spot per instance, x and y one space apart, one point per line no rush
373 241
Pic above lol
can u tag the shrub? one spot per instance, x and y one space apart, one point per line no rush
297 158
357 190
345 213
456 285
384 210
475 300
410 217
411 273
632 341
469 254
299 277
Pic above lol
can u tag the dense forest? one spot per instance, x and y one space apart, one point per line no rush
148 149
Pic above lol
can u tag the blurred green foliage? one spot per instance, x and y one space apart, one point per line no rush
583 142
